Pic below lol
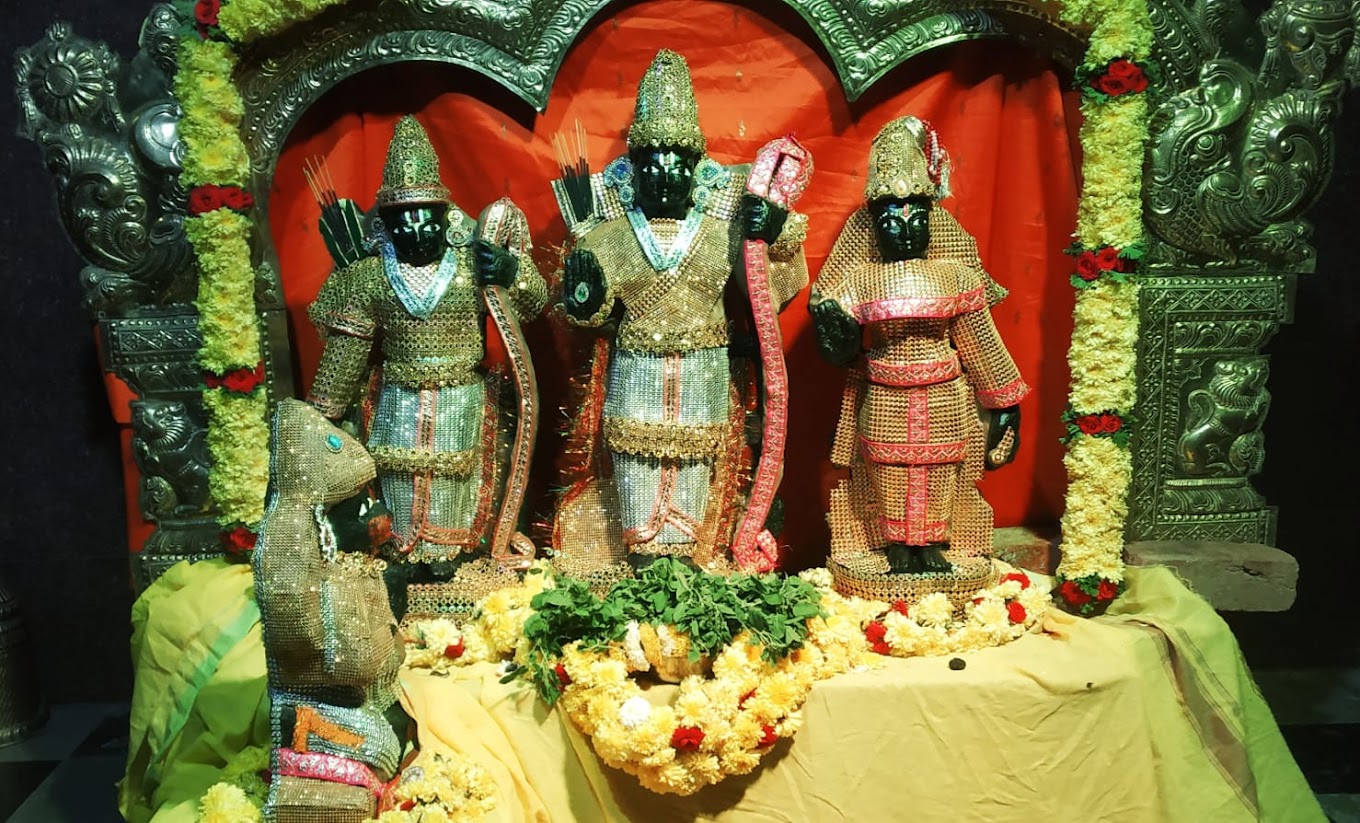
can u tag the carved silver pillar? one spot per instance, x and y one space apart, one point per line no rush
1202 400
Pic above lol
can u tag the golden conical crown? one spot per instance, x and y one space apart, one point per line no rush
907 160
411 175
666 113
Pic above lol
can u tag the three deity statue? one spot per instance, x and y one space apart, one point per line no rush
681 265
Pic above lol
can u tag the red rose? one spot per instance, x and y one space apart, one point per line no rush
453 651
1087 267
1107 590
686 738
1123 68
238 540
1089 424
206 11
203 199
1129 72
235 197
1073 593
1113 86
1019 577
769 738
900 607
244 380
407 805
875 632
562 676
1016 612
881 647
1110 423
1107 258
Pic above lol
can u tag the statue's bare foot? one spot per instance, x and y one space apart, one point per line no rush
903 559
933 560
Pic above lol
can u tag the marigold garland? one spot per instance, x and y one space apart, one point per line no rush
721 725
240 794
217 165
1103 355
439 789
247 20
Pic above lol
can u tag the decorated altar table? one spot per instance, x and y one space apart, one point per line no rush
1146 713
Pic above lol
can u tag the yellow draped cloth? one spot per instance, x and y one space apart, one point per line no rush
1147 713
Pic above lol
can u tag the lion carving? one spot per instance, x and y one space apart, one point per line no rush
1223 435
172 452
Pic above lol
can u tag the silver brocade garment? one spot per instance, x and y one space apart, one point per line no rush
909 427
437 418
668 420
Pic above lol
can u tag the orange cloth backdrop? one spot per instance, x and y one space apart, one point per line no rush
1000 109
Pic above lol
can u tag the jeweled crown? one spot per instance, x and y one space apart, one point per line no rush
411 175
666 113
907 160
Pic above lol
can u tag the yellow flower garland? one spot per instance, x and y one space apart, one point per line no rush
238 435
441 789
1103 353
721 725
247 20
240 795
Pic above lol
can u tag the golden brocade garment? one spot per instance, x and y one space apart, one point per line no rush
909 426
436 426
669 420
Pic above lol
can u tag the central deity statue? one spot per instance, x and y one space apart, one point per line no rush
910 428
437 423
661 442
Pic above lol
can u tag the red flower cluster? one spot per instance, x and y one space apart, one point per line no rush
1090 264
562 676
686 738
900 606
1073 593
242 380
874 633
210 197
238 540
1103 423
206 11
1016 612
1019 577
1121 76
768 737
1077 596
453 651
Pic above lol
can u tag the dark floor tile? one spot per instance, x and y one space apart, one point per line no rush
18 780
1341 808
1329 756
109 737
80 790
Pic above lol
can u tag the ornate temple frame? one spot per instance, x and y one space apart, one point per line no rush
1238 148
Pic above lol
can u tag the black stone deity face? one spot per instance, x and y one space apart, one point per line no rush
901 227
663 181
417 231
